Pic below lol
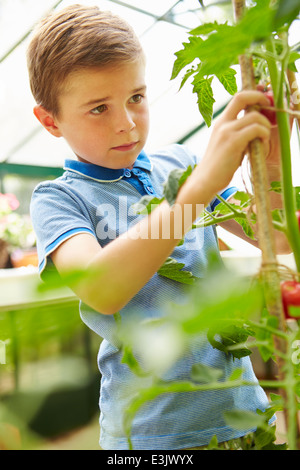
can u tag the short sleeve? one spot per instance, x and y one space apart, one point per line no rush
56 216
226 194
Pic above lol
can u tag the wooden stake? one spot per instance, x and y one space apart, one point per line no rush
261 192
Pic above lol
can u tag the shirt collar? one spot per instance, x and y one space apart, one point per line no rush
103 174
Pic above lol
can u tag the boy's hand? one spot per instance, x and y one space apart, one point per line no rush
232 134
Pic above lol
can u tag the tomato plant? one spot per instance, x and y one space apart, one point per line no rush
290 291
298 218
260 34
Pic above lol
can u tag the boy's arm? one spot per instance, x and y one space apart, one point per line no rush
126 264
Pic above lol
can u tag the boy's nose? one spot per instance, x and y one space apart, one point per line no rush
125 122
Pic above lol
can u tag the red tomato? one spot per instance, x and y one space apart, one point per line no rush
298 217
271 115
290 293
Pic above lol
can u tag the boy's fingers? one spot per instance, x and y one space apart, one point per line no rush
242 101
251 126
251 132
252 117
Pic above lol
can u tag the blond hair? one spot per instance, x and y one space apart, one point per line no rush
74 38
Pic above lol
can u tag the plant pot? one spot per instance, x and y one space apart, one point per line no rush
24 257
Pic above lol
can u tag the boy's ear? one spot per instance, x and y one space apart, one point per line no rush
47 120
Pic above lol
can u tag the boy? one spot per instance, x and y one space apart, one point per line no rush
86 72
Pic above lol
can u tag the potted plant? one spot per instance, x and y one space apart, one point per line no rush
17 239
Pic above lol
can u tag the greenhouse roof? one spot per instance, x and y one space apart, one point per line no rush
162 27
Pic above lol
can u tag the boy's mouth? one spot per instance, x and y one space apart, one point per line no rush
125 147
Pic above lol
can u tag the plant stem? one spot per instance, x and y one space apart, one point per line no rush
272 66
292 232
218 220
144 395
271 330
161 387
289 201
288 193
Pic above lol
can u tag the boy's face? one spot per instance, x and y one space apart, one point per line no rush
104 114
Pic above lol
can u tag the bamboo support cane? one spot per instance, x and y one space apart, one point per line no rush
270 273
262 201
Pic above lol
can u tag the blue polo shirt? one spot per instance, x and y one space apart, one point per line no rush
91 199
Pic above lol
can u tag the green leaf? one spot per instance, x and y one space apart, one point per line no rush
186 173
287 11
215 344
246 226
193 49
213 444
276 399
256 25
172 269
205 374
292 59
187 75
220 299
236 374
129 359
228 80
205 29
243 420
244 198
206 99
187 55
264 437
233 41
72 278
259 20
263 335
276 186
277 215
226 39
294 311
223 209
171 186
146 204
175 180
231 336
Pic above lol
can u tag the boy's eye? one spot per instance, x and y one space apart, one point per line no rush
136 98
99 109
